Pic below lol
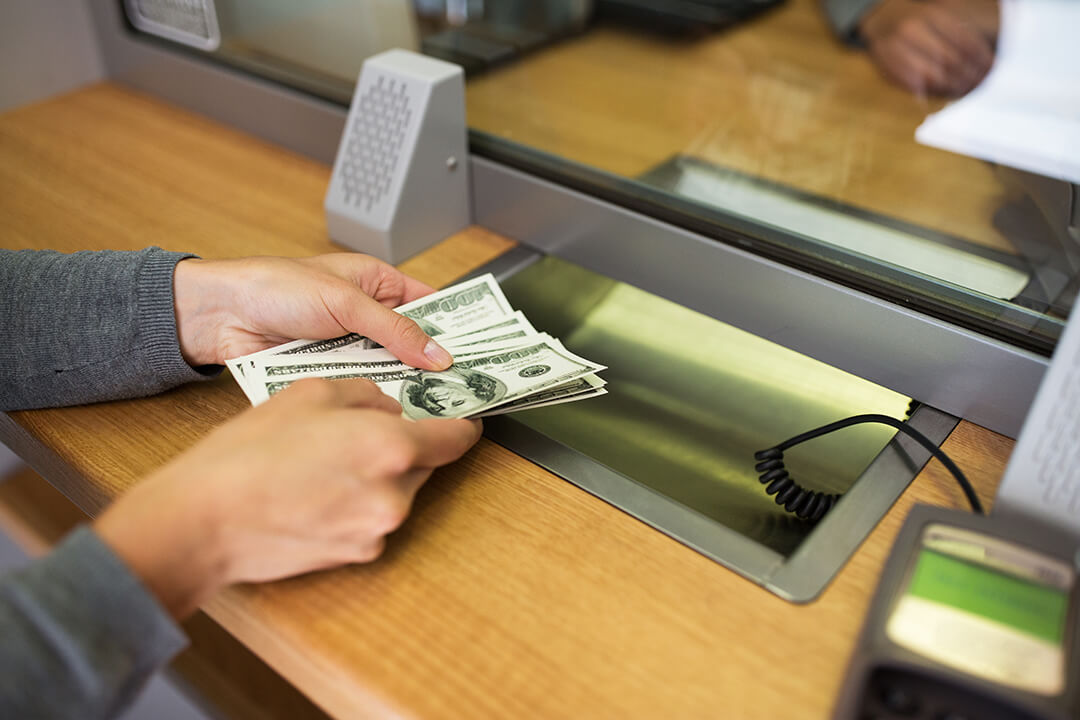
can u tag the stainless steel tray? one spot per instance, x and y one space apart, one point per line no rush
690 400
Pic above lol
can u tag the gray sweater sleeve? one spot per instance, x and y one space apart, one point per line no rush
79 634
87 327
844 16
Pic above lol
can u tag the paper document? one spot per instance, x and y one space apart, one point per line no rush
1026 112
1042 480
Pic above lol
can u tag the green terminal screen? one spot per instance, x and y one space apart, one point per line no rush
1018 603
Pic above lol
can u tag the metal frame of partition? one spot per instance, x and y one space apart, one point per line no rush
959 371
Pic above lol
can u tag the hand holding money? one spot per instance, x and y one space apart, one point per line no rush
502 364
226 308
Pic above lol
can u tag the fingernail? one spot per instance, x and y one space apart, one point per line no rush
437 355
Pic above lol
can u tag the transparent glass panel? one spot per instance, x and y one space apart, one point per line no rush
799 115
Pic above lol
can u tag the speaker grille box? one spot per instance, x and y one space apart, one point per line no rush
192 22
400 180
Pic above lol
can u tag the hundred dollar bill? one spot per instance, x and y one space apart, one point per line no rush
484 340
580 389
239 366
472 306
381 360
487 311
516 323
374 360
470 386
516 326
516 320
474 303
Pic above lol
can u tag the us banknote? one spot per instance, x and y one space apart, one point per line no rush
474 306
474 384
501 363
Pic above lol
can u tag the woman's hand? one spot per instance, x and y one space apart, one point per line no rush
228 308
314 478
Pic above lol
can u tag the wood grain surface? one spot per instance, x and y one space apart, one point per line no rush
509 592
777 98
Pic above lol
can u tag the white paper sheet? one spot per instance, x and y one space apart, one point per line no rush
1042 480
1026 112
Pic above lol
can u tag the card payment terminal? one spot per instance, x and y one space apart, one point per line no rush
974 618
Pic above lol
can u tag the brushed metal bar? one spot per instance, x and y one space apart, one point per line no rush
959 371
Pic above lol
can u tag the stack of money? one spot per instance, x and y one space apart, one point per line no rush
501 363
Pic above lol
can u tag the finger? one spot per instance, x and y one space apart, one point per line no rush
440 441
380 280
361 393
945 68
350 393
411 482
395 287
935 45
361 540
415 289
907 67
931 77
975 54
965 37
963 79
368 551
931 74
400 335
334 556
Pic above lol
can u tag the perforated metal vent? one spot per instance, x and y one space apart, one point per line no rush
375 141
192 22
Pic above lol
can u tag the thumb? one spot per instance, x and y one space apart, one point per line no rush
397 333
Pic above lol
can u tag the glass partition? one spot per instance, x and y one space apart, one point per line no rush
796 115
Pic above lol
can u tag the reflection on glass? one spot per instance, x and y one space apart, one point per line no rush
320 45
799 115
779 121
943 47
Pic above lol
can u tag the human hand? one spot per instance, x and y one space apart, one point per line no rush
314 478
985 15
228 308
928 47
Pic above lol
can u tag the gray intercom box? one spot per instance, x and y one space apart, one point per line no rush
400 180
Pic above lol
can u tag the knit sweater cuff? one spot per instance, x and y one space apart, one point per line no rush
82 634
157 321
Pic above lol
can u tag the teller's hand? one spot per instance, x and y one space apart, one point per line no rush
928 47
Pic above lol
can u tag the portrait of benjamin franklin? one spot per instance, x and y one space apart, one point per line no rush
451 393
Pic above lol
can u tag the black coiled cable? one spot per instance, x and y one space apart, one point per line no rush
812 505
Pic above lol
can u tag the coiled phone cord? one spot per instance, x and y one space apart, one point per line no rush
811 504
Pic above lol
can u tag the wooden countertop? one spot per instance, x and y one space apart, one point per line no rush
509 592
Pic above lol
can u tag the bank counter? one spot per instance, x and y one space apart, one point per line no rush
509 592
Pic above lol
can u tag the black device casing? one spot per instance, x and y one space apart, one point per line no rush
879 666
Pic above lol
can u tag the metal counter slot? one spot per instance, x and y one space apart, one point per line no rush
690 400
